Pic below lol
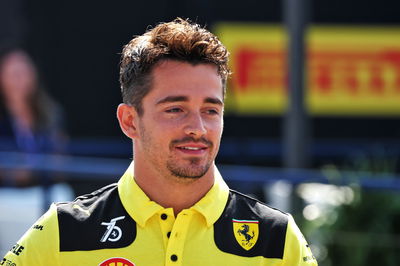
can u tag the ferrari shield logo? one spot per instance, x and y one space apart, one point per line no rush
246 232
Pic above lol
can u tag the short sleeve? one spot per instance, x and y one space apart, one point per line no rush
39 245
297 252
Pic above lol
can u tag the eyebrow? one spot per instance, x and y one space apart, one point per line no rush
171 99
213 101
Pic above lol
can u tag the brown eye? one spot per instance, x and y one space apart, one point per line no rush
212 112
174 110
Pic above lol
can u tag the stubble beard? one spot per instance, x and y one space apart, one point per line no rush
193 171
194 168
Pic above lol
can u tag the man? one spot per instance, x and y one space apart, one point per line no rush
171 207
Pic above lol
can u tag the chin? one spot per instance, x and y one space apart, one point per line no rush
189 172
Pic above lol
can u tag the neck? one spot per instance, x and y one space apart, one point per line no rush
171 191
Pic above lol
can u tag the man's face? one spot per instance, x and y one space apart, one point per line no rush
180 130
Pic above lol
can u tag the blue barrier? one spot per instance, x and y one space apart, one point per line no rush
106 168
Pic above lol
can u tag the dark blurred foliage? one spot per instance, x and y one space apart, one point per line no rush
363 231
366 232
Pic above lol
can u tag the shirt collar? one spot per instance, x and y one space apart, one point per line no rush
135 201
213 203
141 208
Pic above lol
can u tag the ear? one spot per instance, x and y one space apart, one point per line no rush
127 117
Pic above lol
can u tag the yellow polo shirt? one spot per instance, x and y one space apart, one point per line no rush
119 225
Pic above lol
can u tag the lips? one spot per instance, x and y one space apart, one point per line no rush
189 143
192 148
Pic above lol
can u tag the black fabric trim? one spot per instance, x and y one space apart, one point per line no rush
272 227
80 221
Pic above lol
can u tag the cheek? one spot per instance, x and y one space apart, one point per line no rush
214 132
217 126
167 127
160 134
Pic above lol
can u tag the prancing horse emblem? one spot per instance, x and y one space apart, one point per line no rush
246 232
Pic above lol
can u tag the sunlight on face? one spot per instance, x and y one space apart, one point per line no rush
181 126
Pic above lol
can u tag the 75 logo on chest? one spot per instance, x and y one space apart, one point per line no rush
113 232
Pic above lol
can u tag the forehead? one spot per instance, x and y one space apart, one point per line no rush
171 77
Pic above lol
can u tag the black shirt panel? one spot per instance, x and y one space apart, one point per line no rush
272 225
95 221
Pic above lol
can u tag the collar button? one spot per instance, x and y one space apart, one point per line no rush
174 257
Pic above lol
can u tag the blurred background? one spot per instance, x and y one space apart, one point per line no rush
312 119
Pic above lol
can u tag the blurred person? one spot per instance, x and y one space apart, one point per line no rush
171 207
30 121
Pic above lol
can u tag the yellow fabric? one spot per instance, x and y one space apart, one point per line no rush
40 247
191 238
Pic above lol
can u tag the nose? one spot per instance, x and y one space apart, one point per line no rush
195 125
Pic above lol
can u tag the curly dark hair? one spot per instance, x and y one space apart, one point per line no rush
179 40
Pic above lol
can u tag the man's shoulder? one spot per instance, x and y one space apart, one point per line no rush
90 217
249 228
82 207
245 206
